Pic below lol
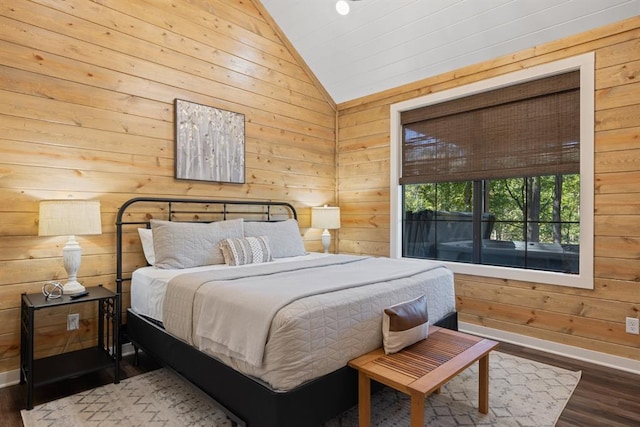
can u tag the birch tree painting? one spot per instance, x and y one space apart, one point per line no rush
209 143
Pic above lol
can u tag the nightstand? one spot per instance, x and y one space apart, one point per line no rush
106 354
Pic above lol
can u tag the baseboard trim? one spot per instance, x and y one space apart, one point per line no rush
10 378
591 356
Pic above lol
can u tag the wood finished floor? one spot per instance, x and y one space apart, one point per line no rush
604 396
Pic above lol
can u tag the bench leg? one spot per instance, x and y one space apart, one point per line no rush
364 400
417 409
483 384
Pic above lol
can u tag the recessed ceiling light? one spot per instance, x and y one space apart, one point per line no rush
342 7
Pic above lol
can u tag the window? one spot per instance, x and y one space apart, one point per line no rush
495 178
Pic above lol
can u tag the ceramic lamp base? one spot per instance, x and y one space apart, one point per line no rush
72 287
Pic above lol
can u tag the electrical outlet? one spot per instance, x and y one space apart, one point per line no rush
73 322
633 325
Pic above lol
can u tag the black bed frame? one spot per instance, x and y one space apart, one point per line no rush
245 399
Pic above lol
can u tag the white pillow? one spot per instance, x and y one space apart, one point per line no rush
146 238
284 236
189 244
404 324
248 250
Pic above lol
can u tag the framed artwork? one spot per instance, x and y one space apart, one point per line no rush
209 143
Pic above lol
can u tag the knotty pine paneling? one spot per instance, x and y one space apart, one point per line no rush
87 91
592 319
617 139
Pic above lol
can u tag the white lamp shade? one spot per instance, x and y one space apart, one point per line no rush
326 217
69 217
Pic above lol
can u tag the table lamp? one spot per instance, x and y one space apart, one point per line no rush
70 218
328 218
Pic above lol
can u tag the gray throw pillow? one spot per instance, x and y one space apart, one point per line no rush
284 236
187 244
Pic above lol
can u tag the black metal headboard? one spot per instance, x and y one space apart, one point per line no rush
139 211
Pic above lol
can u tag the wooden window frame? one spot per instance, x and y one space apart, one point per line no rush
585 63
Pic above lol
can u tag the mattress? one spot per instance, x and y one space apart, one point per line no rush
318 334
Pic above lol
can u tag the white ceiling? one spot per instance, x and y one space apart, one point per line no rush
382 44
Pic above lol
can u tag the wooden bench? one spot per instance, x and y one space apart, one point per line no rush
422 369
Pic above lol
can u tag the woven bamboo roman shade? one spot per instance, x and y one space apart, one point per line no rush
528 129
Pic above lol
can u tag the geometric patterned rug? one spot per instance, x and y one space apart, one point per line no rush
522 393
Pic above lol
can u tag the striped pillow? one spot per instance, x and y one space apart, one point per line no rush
248 250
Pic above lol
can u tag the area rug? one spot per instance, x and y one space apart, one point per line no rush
522 393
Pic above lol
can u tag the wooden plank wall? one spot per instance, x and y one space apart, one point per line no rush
86 111
591 319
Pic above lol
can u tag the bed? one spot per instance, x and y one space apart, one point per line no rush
269 341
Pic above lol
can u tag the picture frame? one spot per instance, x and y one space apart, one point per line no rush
209 143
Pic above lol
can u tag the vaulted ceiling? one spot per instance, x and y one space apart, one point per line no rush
382 44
